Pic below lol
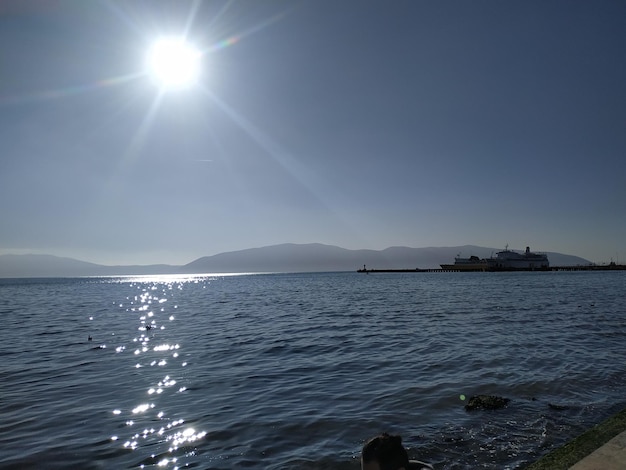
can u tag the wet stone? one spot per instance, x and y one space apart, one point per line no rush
486 402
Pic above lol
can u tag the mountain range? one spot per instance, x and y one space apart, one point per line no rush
287 257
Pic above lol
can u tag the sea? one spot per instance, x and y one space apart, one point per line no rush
296 371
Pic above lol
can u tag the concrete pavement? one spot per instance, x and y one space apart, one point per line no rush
611 456
603 447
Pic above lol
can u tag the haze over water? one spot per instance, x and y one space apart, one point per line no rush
295 371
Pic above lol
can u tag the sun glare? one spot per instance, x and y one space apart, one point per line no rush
174 64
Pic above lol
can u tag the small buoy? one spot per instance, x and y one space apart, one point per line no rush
89 339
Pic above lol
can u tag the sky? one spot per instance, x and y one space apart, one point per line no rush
356 123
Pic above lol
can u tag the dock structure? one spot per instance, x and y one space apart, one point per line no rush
593 267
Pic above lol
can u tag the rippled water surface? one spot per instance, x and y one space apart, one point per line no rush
295 371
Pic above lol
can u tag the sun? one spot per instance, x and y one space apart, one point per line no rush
173 63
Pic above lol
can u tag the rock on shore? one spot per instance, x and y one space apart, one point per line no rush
486 402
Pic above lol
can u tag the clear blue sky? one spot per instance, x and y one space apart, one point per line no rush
357 123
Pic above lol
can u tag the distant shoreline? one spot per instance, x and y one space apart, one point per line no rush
283 258
607 267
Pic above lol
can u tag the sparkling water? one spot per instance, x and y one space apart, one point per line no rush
295 371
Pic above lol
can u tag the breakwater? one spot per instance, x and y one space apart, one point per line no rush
605 267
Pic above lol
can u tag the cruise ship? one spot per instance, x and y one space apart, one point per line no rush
473 263
508 260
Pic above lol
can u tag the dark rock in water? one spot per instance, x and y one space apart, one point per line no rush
486 402
558 407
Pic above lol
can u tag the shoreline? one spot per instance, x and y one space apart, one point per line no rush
452 269
578 452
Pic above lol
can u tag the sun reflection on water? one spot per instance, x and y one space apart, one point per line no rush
154 348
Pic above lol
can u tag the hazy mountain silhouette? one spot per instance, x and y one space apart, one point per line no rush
288 257
55 266
317 257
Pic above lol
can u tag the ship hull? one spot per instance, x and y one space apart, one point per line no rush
465 267
512 261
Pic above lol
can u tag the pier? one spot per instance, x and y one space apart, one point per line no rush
593 267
